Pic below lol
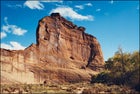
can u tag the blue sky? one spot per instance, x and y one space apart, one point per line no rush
113 23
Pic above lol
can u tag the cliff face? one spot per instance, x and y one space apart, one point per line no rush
63 53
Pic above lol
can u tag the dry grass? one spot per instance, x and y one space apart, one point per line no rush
77 88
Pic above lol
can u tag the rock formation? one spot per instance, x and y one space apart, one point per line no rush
63 53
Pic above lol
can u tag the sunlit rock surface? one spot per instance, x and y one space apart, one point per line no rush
63 53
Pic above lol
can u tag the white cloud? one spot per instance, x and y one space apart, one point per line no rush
12 28
38 4
88 4
59 1
82 6
70 13
79 6
18 5
2 35
14 6
17 30
5 46
12 46
5 28
98 9
5 20
111 1
34 5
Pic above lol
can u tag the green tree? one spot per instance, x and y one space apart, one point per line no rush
124 69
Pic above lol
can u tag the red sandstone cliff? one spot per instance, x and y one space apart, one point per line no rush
63 53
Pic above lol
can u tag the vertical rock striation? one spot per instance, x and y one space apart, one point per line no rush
63 53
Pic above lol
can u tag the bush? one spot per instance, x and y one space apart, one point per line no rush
124 70
102 77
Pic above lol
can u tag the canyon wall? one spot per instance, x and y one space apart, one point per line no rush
63 53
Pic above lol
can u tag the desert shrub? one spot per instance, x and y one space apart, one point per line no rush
132 79
102 77
124 70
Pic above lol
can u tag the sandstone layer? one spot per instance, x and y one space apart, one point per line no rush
63 53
